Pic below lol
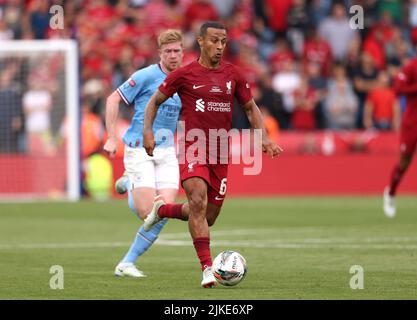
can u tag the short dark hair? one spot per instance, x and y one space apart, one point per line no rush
210 24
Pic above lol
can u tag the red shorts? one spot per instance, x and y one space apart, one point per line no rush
408 139
214 174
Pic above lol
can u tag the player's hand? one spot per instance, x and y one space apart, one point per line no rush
110 147
271 148
148 142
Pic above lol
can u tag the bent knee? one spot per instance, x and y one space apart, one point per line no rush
198 203
144 210
211 221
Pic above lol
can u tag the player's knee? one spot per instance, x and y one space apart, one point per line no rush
143 210
198 202
211 221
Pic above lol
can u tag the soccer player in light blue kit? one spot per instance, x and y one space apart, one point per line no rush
146 177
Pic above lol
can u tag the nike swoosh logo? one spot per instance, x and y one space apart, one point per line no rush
196 87
218 198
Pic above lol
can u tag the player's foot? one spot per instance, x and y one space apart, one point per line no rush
128 270
121 184
209 280
389 204
153 217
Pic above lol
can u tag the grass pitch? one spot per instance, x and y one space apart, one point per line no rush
296 248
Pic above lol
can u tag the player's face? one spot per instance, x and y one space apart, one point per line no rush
171 55
213 44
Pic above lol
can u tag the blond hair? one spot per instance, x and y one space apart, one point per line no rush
169 36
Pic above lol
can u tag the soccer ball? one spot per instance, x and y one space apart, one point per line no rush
229 268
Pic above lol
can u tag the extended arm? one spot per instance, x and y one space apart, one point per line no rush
150 113
112 113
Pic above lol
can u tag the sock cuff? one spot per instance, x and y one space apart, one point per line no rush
201 240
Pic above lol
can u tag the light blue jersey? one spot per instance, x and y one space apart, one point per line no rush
138 89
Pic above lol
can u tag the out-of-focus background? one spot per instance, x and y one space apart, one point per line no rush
325 91
323 86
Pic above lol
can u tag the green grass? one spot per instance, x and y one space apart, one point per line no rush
296 248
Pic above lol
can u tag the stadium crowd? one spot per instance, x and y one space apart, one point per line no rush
308 67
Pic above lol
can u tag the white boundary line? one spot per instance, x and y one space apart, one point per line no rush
177 240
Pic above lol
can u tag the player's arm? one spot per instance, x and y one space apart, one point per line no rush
256 120
402 83
154 102
112 113
396 120
367 114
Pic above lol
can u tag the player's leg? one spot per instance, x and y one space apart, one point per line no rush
142 192
407 148
213 212
124 185
196 191
216 191
166 181
161 209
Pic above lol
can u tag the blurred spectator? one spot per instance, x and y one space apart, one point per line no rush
270 99
319 83
379 37
398 52
413 13
11 119
225 7
382 110
98 182
37 105
276 12
318 10
341 104
6 33
298 23
92 131
39 18
394 7
364 80
337 31
248 61
305 102
285 83
280 56
200 10
271 125
274 41
317 50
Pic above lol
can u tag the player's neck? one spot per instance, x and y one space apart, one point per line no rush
206 63
163 68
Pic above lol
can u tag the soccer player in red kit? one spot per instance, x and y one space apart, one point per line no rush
405 83
207 88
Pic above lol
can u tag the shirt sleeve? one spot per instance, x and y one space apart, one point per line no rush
172 83
242 92
133 86
404 83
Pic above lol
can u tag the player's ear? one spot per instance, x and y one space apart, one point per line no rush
200 41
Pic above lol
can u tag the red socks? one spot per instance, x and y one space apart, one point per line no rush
202 247
396 177
171 211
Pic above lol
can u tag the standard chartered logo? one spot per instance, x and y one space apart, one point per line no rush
199 105
212 106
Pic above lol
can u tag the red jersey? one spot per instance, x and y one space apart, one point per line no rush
383 101
406 84
319 52
207 95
